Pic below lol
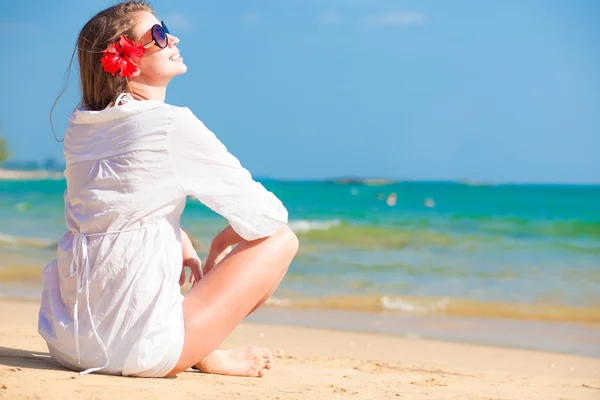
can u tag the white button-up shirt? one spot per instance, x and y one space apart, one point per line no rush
111 298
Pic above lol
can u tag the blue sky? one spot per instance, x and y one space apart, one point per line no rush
436 90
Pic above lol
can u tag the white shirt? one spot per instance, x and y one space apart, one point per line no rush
129 170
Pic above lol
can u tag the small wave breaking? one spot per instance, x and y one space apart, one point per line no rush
9 240
302 226
415 305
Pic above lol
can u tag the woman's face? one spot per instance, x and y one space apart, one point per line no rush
158 66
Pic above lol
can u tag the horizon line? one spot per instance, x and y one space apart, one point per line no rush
369 180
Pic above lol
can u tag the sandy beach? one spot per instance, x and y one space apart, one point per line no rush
310 364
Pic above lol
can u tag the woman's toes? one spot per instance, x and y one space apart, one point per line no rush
254 371
267 355
245 361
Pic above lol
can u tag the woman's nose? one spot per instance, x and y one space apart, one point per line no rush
173 40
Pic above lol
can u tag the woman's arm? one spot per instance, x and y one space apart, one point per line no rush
226 238
221 246
187 247
190 260
208 172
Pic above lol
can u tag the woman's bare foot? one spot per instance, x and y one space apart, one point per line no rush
244 361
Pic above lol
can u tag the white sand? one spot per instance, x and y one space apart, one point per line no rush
313 364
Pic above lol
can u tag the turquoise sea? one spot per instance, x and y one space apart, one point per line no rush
395 252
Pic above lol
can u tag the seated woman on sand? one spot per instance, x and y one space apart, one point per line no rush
111 300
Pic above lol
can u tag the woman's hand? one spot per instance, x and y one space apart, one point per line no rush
215 256
221 245
190 260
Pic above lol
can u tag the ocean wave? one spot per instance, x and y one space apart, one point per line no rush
575 236
433 305
23 206
301 226
517 226
414 305
19 241
374 236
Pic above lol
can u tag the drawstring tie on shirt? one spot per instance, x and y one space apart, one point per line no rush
82 275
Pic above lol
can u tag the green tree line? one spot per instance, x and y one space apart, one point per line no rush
4 154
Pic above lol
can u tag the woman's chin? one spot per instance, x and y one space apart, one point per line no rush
181 68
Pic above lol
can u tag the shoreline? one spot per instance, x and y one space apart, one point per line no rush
310 364
24 282
543 336
579 339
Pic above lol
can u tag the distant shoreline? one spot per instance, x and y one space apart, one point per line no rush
41 174
20 175
361 181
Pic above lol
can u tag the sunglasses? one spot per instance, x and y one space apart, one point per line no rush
159 36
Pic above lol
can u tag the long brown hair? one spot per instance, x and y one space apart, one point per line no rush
98 87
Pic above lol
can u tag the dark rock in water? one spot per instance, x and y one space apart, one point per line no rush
362 181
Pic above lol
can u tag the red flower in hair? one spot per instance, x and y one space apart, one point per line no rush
122 56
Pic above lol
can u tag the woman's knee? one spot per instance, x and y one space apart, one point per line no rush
288 241
281 248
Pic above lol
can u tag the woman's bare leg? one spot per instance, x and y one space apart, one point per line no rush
227 294
269 293
214 362
189 254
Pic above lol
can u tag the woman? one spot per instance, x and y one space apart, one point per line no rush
111 300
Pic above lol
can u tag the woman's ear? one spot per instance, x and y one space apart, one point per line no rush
137 72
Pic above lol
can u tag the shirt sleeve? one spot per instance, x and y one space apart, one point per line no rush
208 172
